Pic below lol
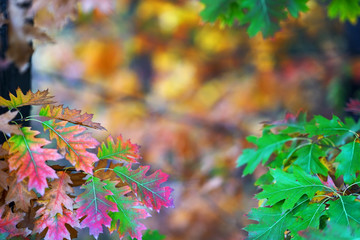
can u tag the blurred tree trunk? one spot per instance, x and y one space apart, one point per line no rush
10 77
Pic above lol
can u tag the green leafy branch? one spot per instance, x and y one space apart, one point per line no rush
265 15
312 185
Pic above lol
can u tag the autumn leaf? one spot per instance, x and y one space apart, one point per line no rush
30 98
94 206
121 150
4 123
147 188
29 159
19 194
69 115
126 219
57 196
3 175
75 142
55 224
8 222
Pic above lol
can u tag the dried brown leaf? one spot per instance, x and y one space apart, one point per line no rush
5 126
19 193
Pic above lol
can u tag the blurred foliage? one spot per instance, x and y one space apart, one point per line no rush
189 92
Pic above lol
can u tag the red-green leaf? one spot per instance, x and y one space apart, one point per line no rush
55 224
126 220
69 115
75 142
29 159
94 205
119 150
147 188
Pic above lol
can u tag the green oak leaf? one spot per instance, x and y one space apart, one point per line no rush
272 222
345 211
308 159
321 126
213 9
290 187
344 9
264 16
267 145
306 217
297 6
332 231
348 160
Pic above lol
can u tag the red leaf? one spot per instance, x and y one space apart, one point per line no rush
70 115
147 188
55 224
121 150
95 206
9 221
29 159
75 142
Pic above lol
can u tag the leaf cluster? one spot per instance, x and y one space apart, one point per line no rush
61 180
265 16
313 183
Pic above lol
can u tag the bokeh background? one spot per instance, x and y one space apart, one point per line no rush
190 92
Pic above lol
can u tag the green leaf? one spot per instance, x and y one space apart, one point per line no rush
332 232
151 235
345 211
306 217
290 187
308 159
348 160
267 144
344 9
213 9
296 6
264 16
321 126
272 222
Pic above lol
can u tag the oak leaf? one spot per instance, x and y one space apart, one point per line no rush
94 206
121 150
126 219
30 98
55 224
147 188
69 115
57 196
4 123
29 159
8 222
19 194
3 175
74 142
